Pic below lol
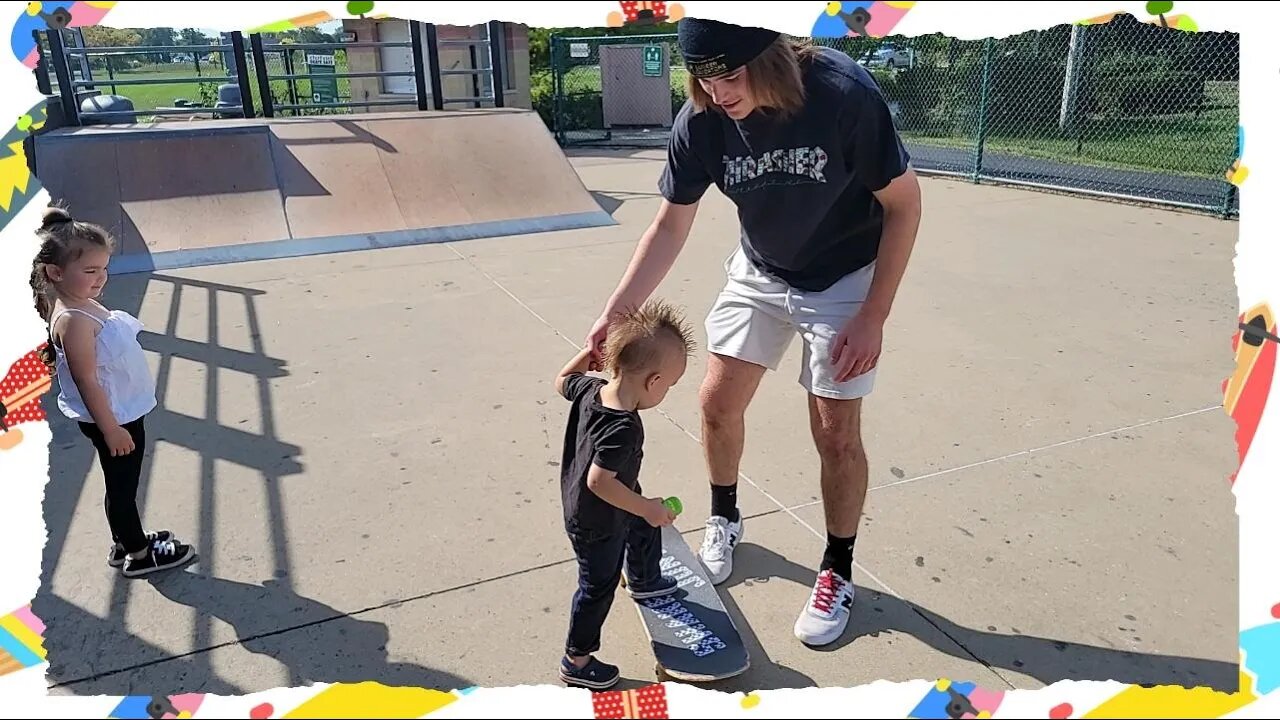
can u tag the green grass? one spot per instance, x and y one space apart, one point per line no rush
1201 146
163 94
1184 144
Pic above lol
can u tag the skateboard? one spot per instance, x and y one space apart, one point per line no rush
692 635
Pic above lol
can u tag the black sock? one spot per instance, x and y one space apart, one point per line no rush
839 556
724 501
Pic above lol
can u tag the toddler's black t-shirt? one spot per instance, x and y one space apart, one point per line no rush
595 434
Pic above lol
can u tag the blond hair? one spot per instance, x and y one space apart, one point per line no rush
774 78
639 339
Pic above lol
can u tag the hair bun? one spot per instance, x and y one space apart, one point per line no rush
54 215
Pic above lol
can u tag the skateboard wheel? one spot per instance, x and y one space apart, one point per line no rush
660 673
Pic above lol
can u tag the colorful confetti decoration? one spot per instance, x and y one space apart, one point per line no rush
301 21
853 19
36 17
371 700
1061 712
1237 173
21 641
645 13
1172 701
1261 649
957 700
20 392
647 702
1245 392
141 707
17 184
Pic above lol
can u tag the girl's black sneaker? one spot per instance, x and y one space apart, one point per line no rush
160 556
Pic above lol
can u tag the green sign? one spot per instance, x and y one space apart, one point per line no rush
652 61
324 86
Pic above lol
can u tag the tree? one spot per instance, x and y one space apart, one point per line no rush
192 36
96 36
159 36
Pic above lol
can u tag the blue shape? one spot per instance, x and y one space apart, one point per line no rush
831 26
133 707
21 39
10 644
1261 646
1239 141
934 705
468 691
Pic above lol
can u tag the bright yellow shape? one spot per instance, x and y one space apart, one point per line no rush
14 175
1174 702
901 5
750 701
34 8
23 633
833 9
1237 177
942 685
1184 22
107 5
371 700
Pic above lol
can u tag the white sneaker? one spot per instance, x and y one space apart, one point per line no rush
718 543
825 616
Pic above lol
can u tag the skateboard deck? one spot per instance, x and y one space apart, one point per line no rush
692 635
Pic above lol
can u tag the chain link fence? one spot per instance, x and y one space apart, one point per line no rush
320 83
1123 109
582 110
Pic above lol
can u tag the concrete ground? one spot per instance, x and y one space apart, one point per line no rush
365 449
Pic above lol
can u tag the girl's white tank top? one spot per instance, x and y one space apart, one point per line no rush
121 368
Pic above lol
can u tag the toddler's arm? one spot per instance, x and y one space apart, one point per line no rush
604 483
580 363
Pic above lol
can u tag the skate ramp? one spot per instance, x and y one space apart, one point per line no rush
208 192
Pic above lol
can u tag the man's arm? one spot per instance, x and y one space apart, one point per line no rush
656 252
901 202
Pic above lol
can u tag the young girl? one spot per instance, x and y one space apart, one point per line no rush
105 383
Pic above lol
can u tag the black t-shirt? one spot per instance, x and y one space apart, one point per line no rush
612 439
803 186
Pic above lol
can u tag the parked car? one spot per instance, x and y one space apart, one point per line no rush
891 56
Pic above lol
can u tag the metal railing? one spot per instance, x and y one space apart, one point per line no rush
1125 110
276 82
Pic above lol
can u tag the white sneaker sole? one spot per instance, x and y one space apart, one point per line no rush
726 569
825 638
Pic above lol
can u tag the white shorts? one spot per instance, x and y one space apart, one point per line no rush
756 317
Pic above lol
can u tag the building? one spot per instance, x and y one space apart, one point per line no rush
454 55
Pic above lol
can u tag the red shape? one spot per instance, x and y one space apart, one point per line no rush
1061 712
647 702
262 712
21 389
1275 611
1247 389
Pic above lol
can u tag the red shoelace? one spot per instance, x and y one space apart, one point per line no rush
824 593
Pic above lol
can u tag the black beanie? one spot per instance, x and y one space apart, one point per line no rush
713 48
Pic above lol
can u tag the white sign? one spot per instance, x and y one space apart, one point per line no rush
579 50
319 59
